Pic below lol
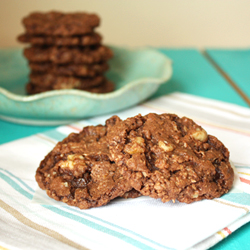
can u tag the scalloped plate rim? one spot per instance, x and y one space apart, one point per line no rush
88 95
82 93
165 73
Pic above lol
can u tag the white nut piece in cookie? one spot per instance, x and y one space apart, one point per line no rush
70 161
195 195
137 146
200 134
167 147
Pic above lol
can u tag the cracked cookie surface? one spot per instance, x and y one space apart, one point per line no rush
171 158
79 172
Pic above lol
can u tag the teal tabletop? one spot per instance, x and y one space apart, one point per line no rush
234 63
194 74
11 131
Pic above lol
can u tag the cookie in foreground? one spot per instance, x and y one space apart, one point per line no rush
78 171
171 158
161 156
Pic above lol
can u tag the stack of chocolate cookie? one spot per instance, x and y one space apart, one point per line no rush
162 156
65 52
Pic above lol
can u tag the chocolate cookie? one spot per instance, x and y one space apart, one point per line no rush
60 24
132 194
82 70
79 172
66 55
105 87
84 40
62 82
172 158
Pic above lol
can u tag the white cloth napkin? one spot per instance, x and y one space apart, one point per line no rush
31 220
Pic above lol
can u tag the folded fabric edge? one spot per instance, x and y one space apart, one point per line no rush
222 234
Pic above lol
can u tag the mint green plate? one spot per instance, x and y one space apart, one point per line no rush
137 74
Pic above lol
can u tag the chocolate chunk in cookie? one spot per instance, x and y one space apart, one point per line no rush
172 158
60 24
79 172
132 194
84 40
67 55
